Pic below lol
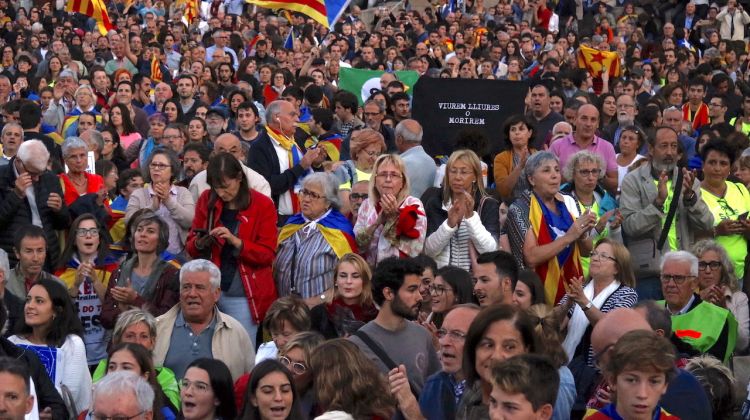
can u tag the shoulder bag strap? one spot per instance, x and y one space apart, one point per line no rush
383 356
672 210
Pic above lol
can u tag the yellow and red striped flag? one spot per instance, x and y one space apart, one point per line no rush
593 60
94 9
156 74
316 9
191 10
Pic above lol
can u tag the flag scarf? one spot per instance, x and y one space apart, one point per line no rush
191 10
117 222
699 119
336 230
94 9
103 270
359 82
593 60
330 142
156 74
295 155
325 12
547 227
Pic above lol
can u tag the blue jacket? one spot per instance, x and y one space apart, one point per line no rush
438 398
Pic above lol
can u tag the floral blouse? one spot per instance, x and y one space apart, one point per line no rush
401 236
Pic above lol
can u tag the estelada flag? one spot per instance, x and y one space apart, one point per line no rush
191 9
325 12
156 74
593 60
94 9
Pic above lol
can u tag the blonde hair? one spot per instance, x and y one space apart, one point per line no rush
470 158
362 139
359 263
396 161
547 332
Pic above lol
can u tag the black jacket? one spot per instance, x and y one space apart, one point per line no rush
46 394
263 160
16 212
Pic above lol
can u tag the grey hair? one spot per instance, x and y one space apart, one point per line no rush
4 264
728 276
536 160
584 156
329 184
121 382
33 153
202 266
71 143
96 136
68 73
682 257
85 87
657 316
12 125
274 108
380 105
408 135
132 317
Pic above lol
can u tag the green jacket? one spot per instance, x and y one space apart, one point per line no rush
164 376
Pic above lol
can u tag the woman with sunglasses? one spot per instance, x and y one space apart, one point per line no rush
728 201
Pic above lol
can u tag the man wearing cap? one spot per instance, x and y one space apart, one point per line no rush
216 121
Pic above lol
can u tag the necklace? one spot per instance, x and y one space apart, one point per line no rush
78 183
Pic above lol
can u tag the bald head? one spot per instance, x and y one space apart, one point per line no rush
614 325
229 143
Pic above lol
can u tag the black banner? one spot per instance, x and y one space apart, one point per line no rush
444 107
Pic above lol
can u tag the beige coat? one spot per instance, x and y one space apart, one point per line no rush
230 342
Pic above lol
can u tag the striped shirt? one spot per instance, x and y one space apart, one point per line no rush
304 264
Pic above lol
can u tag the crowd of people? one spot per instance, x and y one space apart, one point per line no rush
197 222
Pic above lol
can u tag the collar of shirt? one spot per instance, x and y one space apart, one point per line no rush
684 309
172 190
180 322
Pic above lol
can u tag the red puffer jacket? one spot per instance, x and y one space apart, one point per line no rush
257 230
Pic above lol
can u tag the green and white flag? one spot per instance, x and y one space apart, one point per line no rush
360 82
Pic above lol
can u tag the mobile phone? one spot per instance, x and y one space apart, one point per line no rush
201 232
743 216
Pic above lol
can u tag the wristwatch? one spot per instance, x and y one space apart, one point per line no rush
587 307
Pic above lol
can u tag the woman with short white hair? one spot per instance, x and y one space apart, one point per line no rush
83 192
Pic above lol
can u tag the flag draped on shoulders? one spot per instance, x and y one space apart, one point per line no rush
547 227
336 230
594 60
95 9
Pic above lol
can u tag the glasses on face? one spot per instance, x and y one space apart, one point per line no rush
310 194
371 153
158 166
198 385
454 335
372 114
296 367
358 196
95 416
600 255
589 172
713 265
677 279
31 174
437 290
83 232
389 175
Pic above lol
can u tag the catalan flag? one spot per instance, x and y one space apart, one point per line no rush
156 74
95 9
325 12
191 10
565 265
594 60
336 230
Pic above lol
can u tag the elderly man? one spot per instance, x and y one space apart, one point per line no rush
672 117
645 202
64 101
627 110
221 40
195 323
123 395
280 160
706 327
162 93
585 138
29 194
420 167
11 138
231 144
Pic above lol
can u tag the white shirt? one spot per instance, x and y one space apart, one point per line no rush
285 200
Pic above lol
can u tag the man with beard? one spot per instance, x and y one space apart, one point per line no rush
646 198
215 122
194 160
543 117
247 122
626 112
390 340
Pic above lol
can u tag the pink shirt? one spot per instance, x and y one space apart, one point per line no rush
564 148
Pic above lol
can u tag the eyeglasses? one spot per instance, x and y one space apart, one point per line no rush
372 114
199 386
678 279
98 417
589 172
307 193
296 367
158 166
600 255
437 290
371 153
31 174
387 175
452 334
714 265
82 232
358 196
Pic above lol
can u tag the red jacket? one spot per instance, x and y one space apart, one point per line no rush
257 230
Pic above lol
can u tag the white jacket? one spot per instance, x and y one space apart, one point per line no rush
437 244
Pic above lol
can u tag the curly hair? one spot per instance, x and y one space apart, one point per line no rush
348 381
